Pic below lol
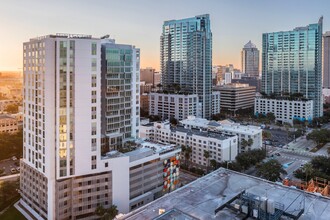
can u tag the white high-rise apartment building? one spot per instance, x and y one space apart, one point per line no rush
64 174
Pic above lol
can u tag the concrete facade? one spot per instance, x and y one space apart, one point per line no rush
285 110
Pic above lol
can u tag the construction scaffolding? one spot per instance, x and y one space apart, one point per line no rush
317 185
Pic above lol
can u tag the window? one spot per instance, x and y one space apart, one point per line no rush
94 46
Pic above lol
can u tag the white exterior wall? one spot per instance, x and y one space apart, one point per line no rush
221 149
168 105
47 105
241 131
284 110
135 85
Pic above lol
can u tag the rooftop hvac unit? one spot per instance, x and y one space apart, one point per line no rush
263 202
244 209
270 206
255 213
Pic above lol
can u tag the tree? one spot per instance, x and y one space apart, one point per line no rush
308 170
106 214
176 87
11 108
213 164
266 134
173 121
250 142
244 143
271 170
319 136
206 156
270 116
187 155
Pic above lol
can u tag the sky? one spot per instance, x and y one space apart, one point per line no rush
139 22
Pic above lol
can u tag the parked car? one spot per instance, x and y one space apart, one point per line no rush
14 158
13 170
18 169
278 154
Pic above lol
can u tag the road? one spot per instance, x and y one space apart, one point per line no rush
8 164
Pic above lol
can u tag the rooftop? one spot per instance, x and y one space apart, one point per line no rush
208 198
250 45
220 125
212 134
2 116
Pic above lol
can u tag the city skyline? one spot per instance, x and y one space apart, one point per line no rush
134 23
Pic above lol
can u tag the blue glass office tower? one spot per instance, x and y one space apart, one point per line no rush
186 58
292 63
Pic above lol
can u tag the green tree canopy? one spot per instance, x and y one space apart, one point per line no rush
271 170
11 108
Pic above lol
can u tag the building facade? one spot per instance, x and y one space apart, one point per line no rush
65 173
216 99
8 124
236 96
120 92
292 63
241 131
252 81
221 147
178 106
250 60
186 58
285 110
326 61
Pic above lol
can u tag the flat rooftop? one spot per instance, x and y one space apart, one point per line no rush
200 199
211 134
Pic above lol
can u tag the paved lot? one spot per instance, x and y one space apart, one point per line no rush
8 164
186 178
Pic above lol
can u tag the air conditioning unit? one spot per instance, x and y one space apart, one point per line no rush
244 209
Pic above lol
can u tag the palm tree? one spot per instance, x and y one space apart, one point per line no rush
213 164
244 143
187 155
206 156
308 170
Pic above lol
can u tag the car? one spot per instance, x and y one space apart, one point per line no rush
278 154
14 158
18 169
13 170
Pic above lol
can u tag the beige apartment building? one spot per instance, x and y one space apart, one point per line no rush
8 124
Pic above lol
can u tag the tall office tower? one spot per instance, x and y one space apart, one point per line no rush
62 173
120 93
292 63
326 60
186 58
250 59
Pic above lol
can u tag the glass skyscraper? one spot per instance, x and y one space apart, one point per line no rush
292 63
186 58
